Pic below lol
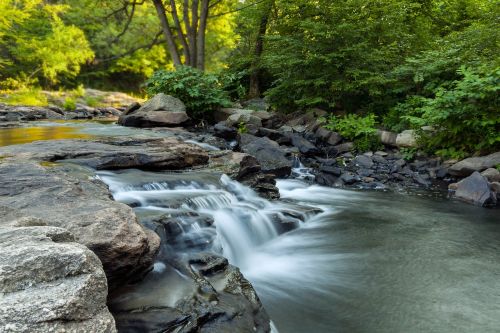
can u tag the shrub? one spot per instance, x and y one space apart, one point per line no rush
202 93
360 130
69 104
465 116
25 96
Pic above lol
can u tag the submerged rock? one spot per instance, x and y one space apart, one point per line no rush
50 283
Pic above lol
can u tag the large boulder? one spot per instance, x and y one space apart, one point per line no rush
471 164
476 190
387 138
271 157
70 197
246 118
160 111
50 283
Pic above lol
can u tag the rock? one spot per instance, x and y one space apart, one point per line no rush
49 283
387 138
334 139
495 187
237 119
160 111
257 104
132 108
381 153
322 133
70 197
379 159
349 179
344 147
363 161
270 133
225 132
476 190
223 113
471 164
305 147
147 154
270 156
407 139
26 113
331 170
492 174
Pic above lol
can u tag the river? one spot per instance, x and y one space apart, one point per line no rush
357 261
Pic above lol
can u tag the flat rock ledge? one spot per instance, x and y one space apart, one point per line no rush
50 283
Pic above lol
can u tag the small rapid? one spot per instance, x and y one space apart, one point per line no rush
324 259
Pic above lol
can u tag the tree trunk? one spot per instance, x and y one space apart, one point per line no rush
169 38
193 27
254 88
180 33
200 40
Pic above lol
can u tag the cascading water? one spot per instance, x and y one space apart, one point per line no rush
351 261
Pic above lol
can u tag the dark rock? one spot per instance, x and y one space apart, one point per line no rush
334 139
305 147
258 104
475 189
132 108
344 147
379 159
270 133
349 178
365 172
268 153
225 132
492 174
331 170
421 179
363 161
326 179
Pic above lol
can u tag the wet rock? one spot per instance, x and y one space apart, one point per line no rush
471 164
225 132
336 171
348 178
246 118
132 108
160 111
476 190
69 197
270 133
26 113
50 283
334 139
263 184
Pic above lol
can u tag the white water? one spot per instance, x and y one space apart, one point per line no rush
356 262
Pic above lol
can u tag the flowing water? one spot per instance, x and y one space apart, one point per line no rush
356 262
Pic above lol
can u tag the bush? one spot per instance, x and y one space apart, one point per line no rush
360 130
202 93
69 104
465 116
25 96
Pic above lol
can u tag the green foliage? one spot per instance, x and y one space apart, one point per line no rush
465 115
25 96
360 130
202 93
242 128
69 104
408 153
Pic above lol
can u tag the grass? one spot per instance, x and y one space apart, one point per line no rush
28 96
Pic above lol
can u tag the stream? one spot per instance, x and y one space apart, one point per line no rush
356 262
321 259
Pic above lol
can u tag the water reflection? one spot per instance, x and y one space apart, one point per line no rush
15 136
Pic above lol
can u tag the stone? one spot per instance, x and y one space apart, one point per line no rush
492 174
349 178
336 171
344 147
334 139
471 164
476 190
160 111
305 147
70 197
322 133
387 138
257 104
270 133
225 132
407 139
240 118
119 153
132 108
363 161
223 113
269 154
50 283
